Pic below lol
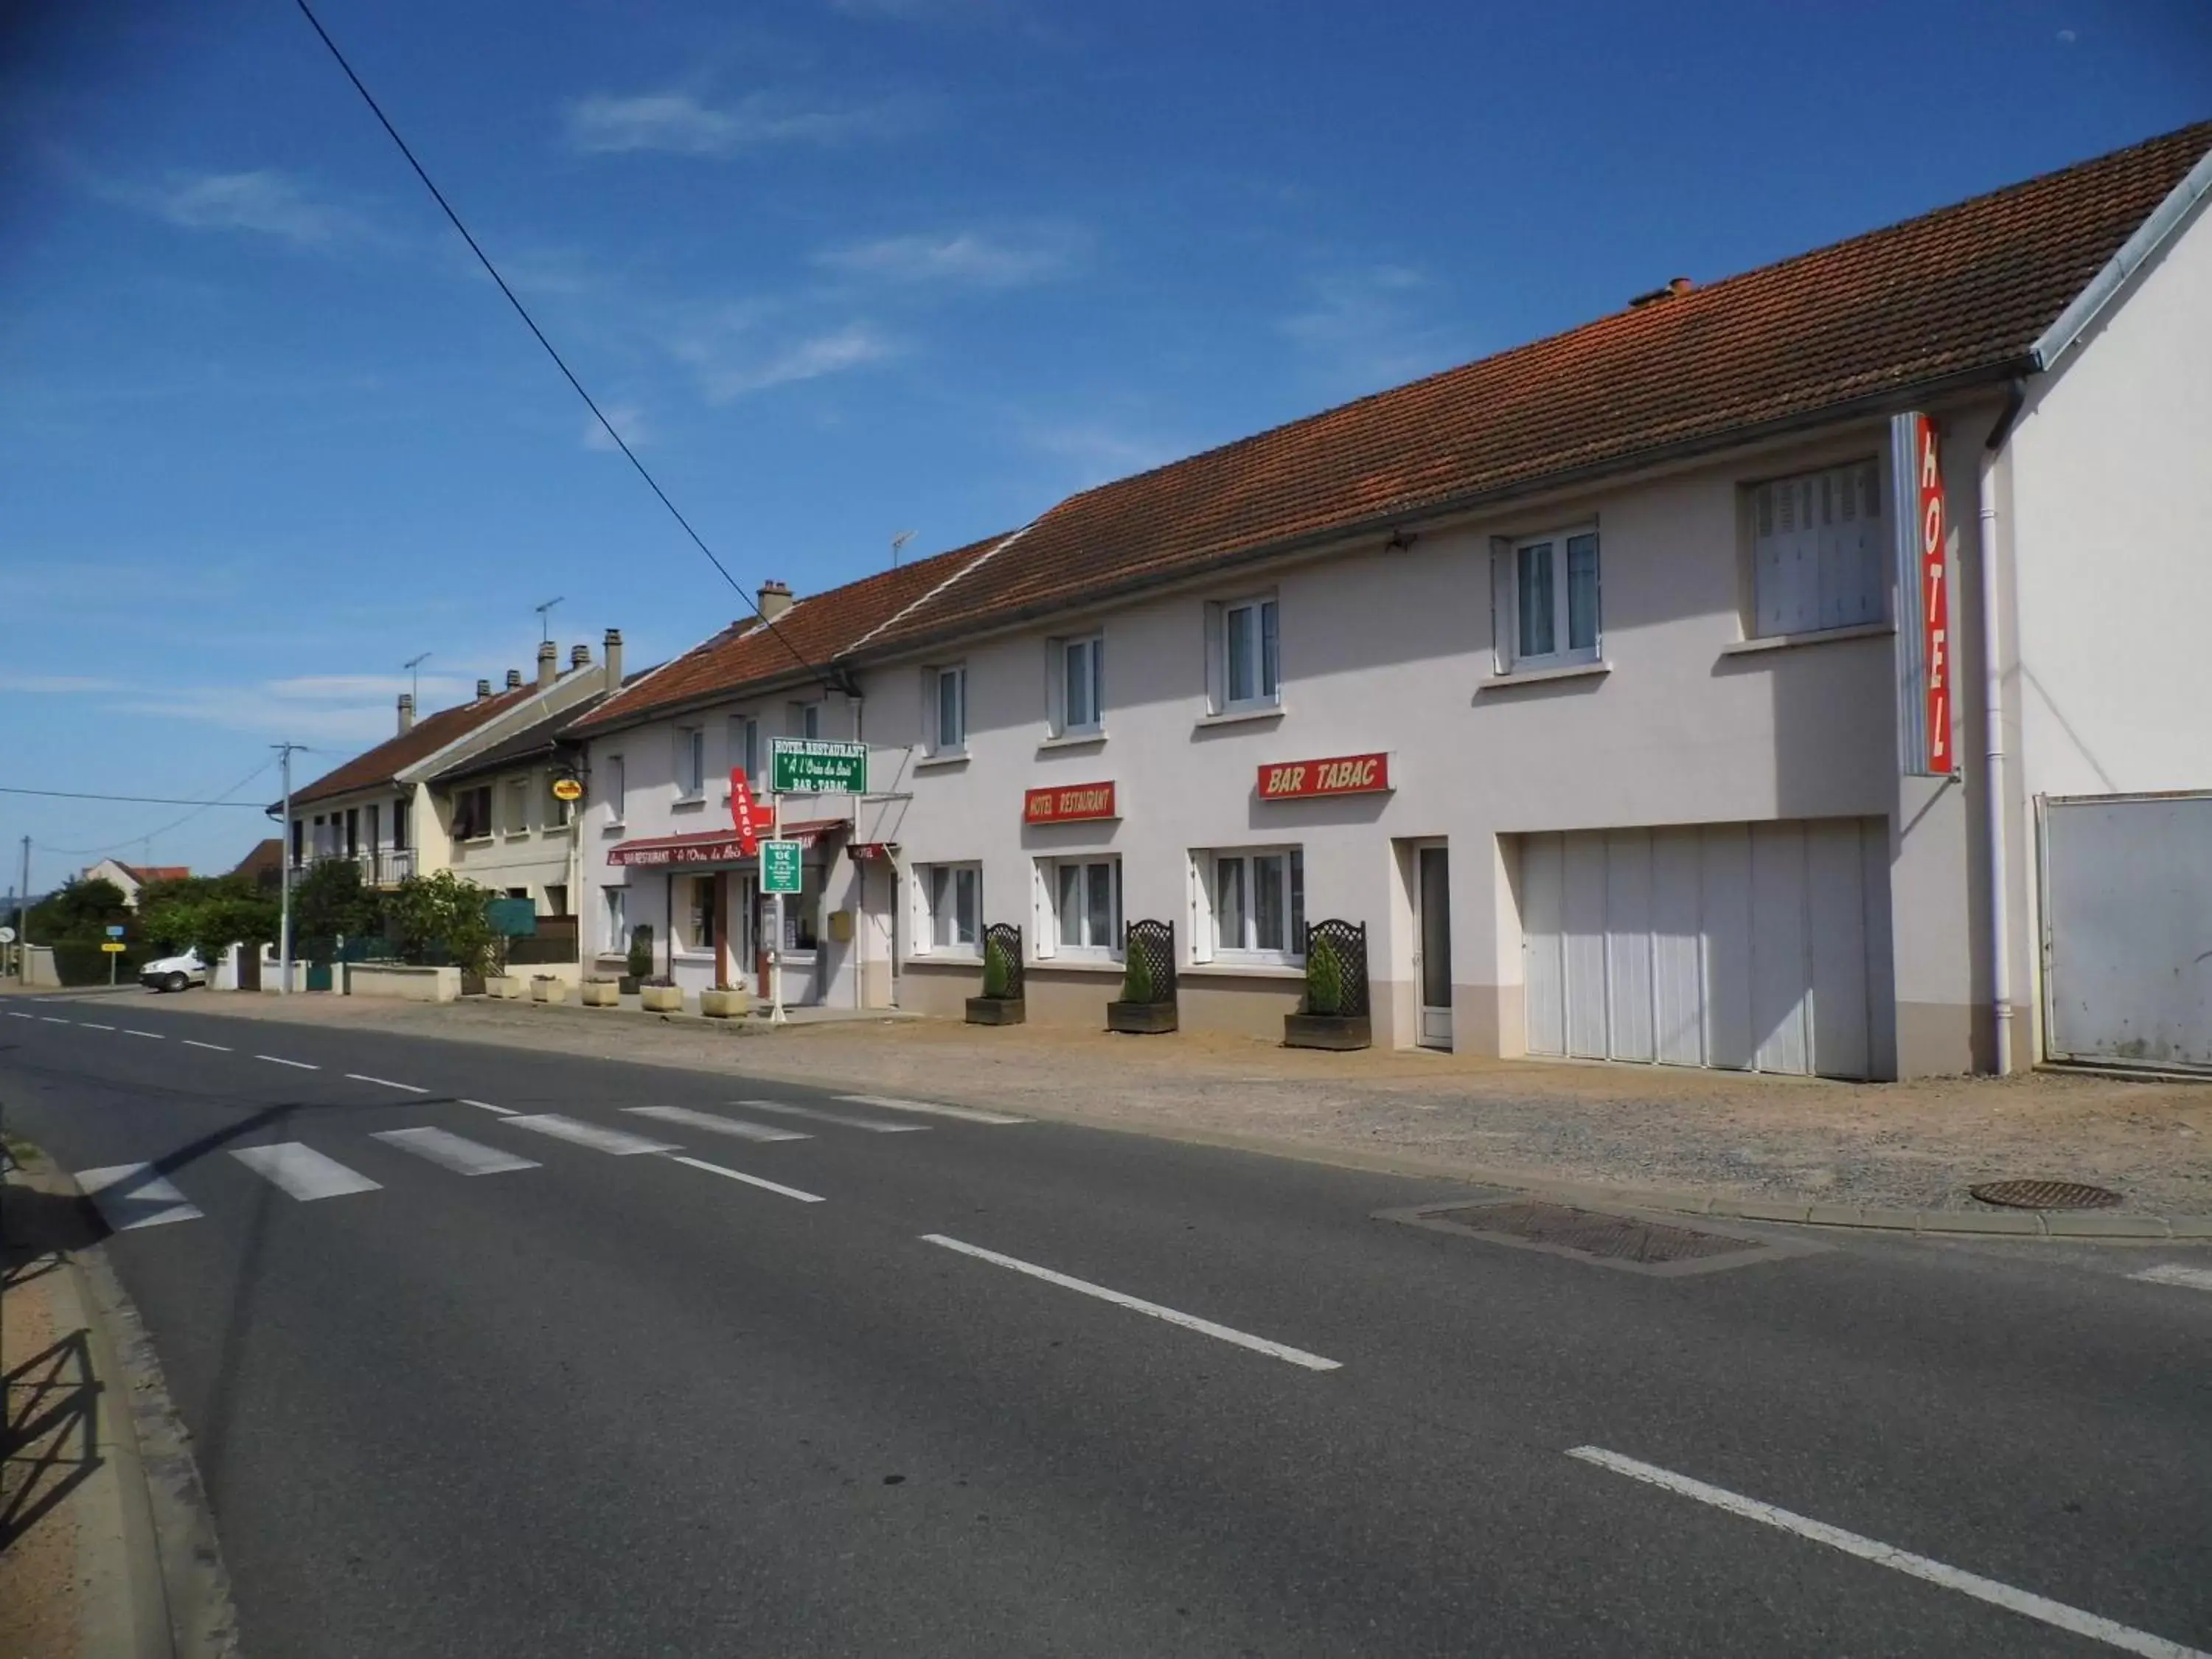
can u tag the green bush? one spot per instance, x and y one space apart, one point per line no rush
81 962
443 918
640 952
998 972
1324 979
1137 979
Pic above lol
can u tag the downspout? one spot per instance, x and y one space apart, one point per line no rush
1993 713
860 864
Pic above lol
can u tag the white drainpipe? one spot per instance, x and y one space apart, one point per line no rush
1993 754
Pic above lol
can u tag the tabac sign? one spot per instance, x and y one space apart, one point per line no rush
1069 804
1925 708
1341 774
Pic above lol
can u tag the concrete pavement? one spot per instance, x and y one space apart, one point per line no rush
560 1394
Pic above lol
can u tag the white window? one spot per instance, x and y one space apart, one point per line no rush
1545 600
1082 906
1243 655
952 908
745 747
1076 694
948 724
691 762
615 788
518 806
1818 556
806 719
617 900
1252 905
698 913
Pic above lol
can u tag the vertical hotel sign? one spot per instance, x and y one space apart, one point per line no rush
1924 711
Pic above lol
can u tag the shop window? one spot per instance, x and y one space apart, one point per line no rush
698 913
1250 905
1243 654
952 908
1081 905
1820 554
1076 690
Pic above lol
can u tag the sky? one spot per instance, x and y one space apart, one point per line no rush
838 268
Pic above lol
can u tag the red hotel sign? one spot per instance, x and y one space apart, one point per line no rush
1935 601
1344 774
1068 803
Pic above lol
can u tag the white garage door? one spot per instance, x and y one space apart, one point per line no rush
1741 945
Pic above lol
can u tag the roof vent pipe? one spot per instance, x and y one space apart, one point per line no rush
580 656
483 689
514 679
549 663
406 712
611 648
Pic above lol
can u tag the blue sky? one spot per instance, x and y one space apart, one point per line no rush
841 268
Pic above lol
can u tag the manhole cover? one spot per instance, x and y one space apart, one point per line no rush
2045 1196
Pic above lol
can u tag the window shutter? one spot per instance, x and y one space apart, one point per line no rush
1216 669
1056 685
1501 603
1044 934
1202 907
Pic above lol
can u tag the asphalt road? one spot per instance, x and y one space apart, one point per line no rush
531 1395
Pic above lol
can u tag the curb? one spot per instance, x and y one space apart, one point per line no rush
180 1594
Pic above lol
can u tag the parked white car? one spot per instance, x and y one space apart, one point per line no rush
173 973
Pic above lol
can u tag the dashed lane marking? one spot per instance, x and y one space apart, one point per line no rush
2173 1273
157 1036
194 1043
52 1019
2024 1602
783 1109
279 1060
385 1083
94 1025
486 1106
751 1180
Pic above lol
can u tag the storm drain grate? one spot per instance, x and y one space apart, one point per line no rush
1607 1238
2045 1194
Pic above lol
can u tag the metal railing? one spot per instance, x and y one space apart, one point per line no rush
381 866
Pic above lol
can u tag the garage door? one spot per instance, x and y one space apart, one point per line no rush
1749 946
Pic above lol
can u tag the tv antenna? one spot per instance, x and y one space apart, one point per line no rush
898 542
413 665
546 620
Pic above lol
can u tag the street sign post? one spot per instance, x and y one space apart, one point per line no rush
114 949
815 766
780 868
115 931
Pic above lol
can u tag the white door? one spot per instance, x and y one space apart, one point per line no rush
1432 927
1744 946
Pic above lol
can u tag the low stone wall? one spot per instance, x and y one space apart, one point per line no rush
392 978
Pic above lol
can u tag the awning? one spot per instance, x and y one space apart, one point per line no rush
713 846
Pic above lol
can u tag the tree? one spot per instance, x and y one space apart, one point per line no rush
443 918
329 903
173 915
81 910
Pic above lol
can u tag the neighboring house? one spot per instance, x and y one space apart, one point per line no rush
373 810
132 876
264 865
1790 674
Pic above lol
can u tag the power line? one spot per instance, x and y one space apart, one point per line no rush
152 834
529 322
142 800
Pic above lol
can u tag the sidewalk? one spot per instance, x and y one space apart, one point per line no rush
96 1560
1691 1135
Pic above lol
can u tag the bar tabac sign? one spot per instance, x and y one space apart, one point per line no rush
1069 804
1340 775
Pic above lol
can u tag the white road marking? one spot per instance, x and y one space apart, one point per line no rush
715 1125
132 1196
278 1060
965 1114
2024 1602
589 1134
486 1106
2173 1273
456 1152
751 1180
51 1019
385 1083
1312 1362
303 1171
157 1036
94 1025
194 1043
868 1123
13 1014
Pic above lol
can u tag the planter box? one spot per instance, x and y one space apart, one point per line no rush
392 978
661 999
997 1011
1328 1031
549 990
599 994
513 987
1141 1018
733 1004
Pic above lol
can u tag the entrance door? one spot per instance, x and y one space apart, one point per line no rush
1433 900
745 947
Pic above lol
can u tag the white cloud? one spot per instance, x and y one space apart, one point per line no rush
1101 454
964 258
263 201
626 419
850 347
351 711
60 686
1363 330
678 123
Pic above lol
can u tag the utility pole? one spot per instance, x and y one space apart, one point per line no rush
23 919
284 875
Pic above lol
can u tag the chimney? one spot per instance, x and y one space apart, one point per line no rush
514 679
775 599
549 663
1676 286
483 689
580 656
611 648
406 712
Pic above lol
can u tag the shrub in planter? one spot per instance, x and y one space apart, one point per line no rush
600 993
1324 979
659 995
726 1002
1137 979
544 987
641 957
997 1005
998 972
1333 991
510 986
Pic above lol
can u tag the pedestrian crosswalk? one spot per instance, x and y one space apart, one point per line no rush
132 1196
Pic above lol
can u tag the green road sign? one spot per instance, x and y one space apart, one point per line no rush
779 867
811 766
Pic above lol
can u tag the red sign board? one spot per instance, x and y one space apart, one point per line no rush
1935 599
1069 804
722 849
742 809
1341 774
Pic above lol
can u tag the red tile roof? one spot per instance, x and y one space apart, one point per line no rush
805 644
143 873
396 753
1958 294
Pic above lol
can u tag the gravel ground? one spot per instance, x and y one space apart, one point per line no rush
1913 1146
